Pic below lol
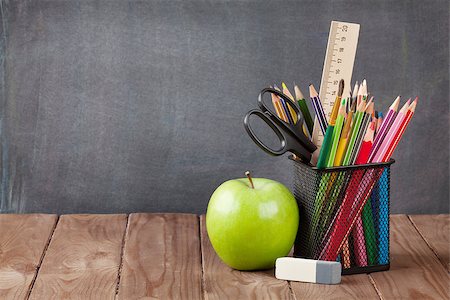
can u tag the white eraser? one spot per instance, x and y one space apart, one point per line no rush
308 270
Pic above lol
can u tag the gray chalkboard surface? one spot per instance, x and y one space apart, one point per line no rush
121 106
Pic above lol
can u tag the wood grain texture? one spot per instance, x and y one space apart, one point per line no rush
83 258
415 272
435 229
161 257
222 282
23 239
351 287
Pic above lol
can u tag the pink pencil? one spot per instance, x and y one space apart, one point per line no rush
382 131
378 157
401 130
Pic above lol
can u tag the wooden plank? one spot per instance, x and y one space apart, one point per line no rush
161 257
83 258
415 272
351 287
222 282
23 239
435 229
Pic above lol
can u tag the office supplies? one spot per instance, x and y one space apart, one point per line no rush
338 64
308 270
278 108
304 108
382 131
337 133
364 232
318 108
343 141
362 131
354 94
325 152
359 115
350 209
379 122
291 135
288 93
285 106
378 157
401 130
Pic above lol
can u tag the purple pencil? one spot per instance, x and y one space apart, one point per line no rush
384 128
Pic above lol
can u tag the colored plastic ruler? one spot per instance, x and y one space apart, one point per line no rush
339 60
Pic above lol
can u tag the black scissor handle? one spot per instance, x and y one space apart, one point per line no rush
271 124
287 143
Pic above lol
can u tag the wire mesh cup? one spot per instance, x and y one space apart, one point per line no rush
344 215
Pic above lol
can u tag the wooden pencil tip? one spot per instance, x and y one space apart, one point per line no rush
283 85
298 93
395 104
413 105
312 91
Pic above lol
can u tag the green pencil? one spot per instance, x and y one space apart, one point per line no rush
304 108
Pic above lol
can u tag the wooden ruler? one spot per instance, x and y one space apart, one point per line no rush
339 60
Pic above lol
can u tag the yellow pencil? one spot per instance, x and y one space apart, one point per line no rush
344 137
278 108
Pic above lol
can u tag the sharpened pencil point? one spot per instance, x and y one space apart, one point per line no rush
312 91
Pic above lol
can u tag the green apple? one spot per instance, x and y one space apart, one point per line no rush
251 222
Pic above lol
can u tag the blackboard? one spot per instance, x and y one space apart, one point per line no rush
124 106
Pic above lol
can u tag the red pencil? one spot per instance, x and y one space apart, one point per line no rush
363 155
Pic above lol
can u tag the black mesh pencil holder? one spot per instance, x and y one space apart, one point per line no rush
344 215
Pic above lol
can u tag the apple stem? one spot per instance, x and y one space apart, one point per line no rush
249 179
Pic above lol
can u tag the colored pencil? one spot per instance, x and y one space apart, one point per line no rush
337 133
285 106
385 126
359 115
291 110
378 157
343 141
354 95
336 235
320 114
328 138
304 109
402 128
362 131
379 123
364 232
278 108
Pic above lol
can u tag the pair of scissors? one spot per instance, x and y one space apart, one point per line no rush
291 136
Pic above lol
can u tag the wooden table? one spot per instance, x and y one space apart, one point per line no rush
169 256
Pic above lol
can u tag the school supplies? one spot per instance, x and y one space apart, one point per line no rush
326 151
288 93
304 108
385 126
286 107
338 64
318 108
290 134
308 270
344 198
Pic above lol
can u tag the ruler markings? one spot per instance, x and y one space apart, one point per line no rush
339 60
